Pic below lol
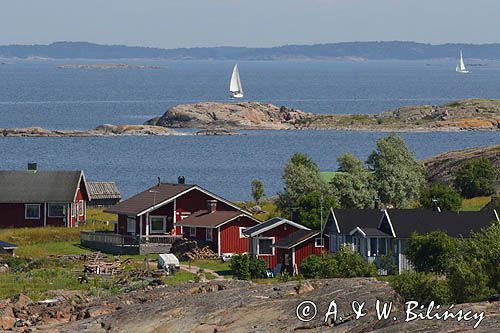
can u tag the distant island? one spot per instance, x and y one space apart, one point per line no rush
109 66
467 114
348 51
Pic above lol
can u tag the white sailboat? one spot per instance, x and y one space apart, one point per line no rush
235 88
461 65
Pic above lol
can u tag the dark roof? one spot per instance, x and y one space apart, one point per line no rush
374 232
5 245
103 190
348 219
144 200
204 218
268 224
296 238
39 186
423 221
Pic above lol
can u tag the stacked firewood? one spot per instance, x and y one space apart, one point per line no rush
200 253
183 245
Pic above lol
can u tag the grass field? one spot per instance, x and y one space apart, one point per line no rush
475 204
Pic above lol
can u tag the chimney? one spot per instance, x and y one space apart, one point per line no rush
32 167
376 202
212 206
295 215
181 180
435 205
159 181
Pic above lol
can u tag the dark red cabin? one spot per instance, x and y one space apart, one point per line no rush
35 198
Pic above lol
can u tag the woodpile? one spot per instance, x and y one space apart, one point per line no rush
183 245
98 264
199 254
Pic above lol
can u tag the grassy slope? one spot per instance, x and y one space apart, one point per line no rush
475 204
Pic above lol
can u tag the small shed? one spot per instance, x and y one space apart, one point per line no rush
7 248
103 194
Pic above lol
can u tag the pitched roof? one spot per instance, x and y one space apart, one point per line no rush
7 246
148 198
370 232
296 238
39 186
348 219
204 218
103 190
423 221
269 224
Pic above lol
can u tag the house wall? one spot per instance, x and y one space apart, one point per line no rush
12 215
307 249
278 233
230 241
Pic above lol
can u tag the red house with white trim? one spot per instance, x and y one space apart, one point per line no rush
182 209
35 198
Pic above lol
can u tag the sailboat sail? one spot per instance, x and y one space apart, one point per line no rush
461 65
235 87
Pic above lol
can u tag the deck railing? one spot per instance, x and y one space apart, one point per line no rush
126 240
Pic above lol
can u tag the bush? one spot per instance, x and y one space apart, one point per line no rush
247 267
447 198
386 264
468 281
432 252
476 178
315 267
421 287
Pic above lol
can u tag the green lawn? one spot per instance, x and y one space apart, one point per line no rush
475 204
327 176
41 250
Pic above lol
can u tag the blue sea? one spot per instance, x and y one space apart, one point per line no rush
37 93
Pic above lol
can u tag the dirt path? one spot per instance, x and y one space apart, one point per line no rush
196 269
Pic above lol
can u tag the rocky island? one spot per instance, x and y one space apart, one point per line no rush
102 130
467 114
109 66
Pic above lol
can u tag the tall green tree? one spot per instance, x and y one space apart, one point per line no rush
476 177
399 177
447 198
353 186
257 190
310 208
301 177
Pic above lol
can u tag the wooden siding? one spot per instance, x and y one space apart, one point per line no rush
230 241
278 233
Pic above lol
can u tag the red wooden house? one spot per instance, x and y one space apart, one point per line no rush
263 238
35 198
182 209
299 245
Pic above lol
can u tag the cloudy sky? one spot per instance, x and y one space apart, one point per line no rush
190 23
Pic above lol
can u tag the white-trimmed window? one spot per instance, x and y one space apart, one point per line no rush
130 224
192 231
319 242
209 234
265 246
32 211
157 224
241 232
73 209
57 210
80 208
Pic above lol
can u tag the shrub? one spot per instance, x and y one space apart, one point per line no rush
468 281
432 252
315 267
448 199
476 177
245 267
421 287
387 264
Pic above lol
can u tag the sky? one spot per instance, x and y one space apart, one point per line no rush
251 23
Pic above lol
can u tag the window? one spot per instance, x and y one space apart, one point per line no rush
373 246
209 234
381 246
80 208
264 246
192 232
57 210
157 224
32 211
319 242
73 209
130 224
241 232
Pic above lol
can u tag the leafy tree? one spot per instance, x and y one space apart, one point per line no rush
398 175
421 287
467 280
476 177
257 190
354 186
432 252
447 198
301 177
352 264
309 209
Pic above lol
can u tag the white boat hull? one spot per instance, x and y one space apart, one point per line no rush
463 72
237 94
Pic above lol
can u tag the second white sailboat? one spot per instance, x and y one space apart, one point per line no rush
461 65
235 87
